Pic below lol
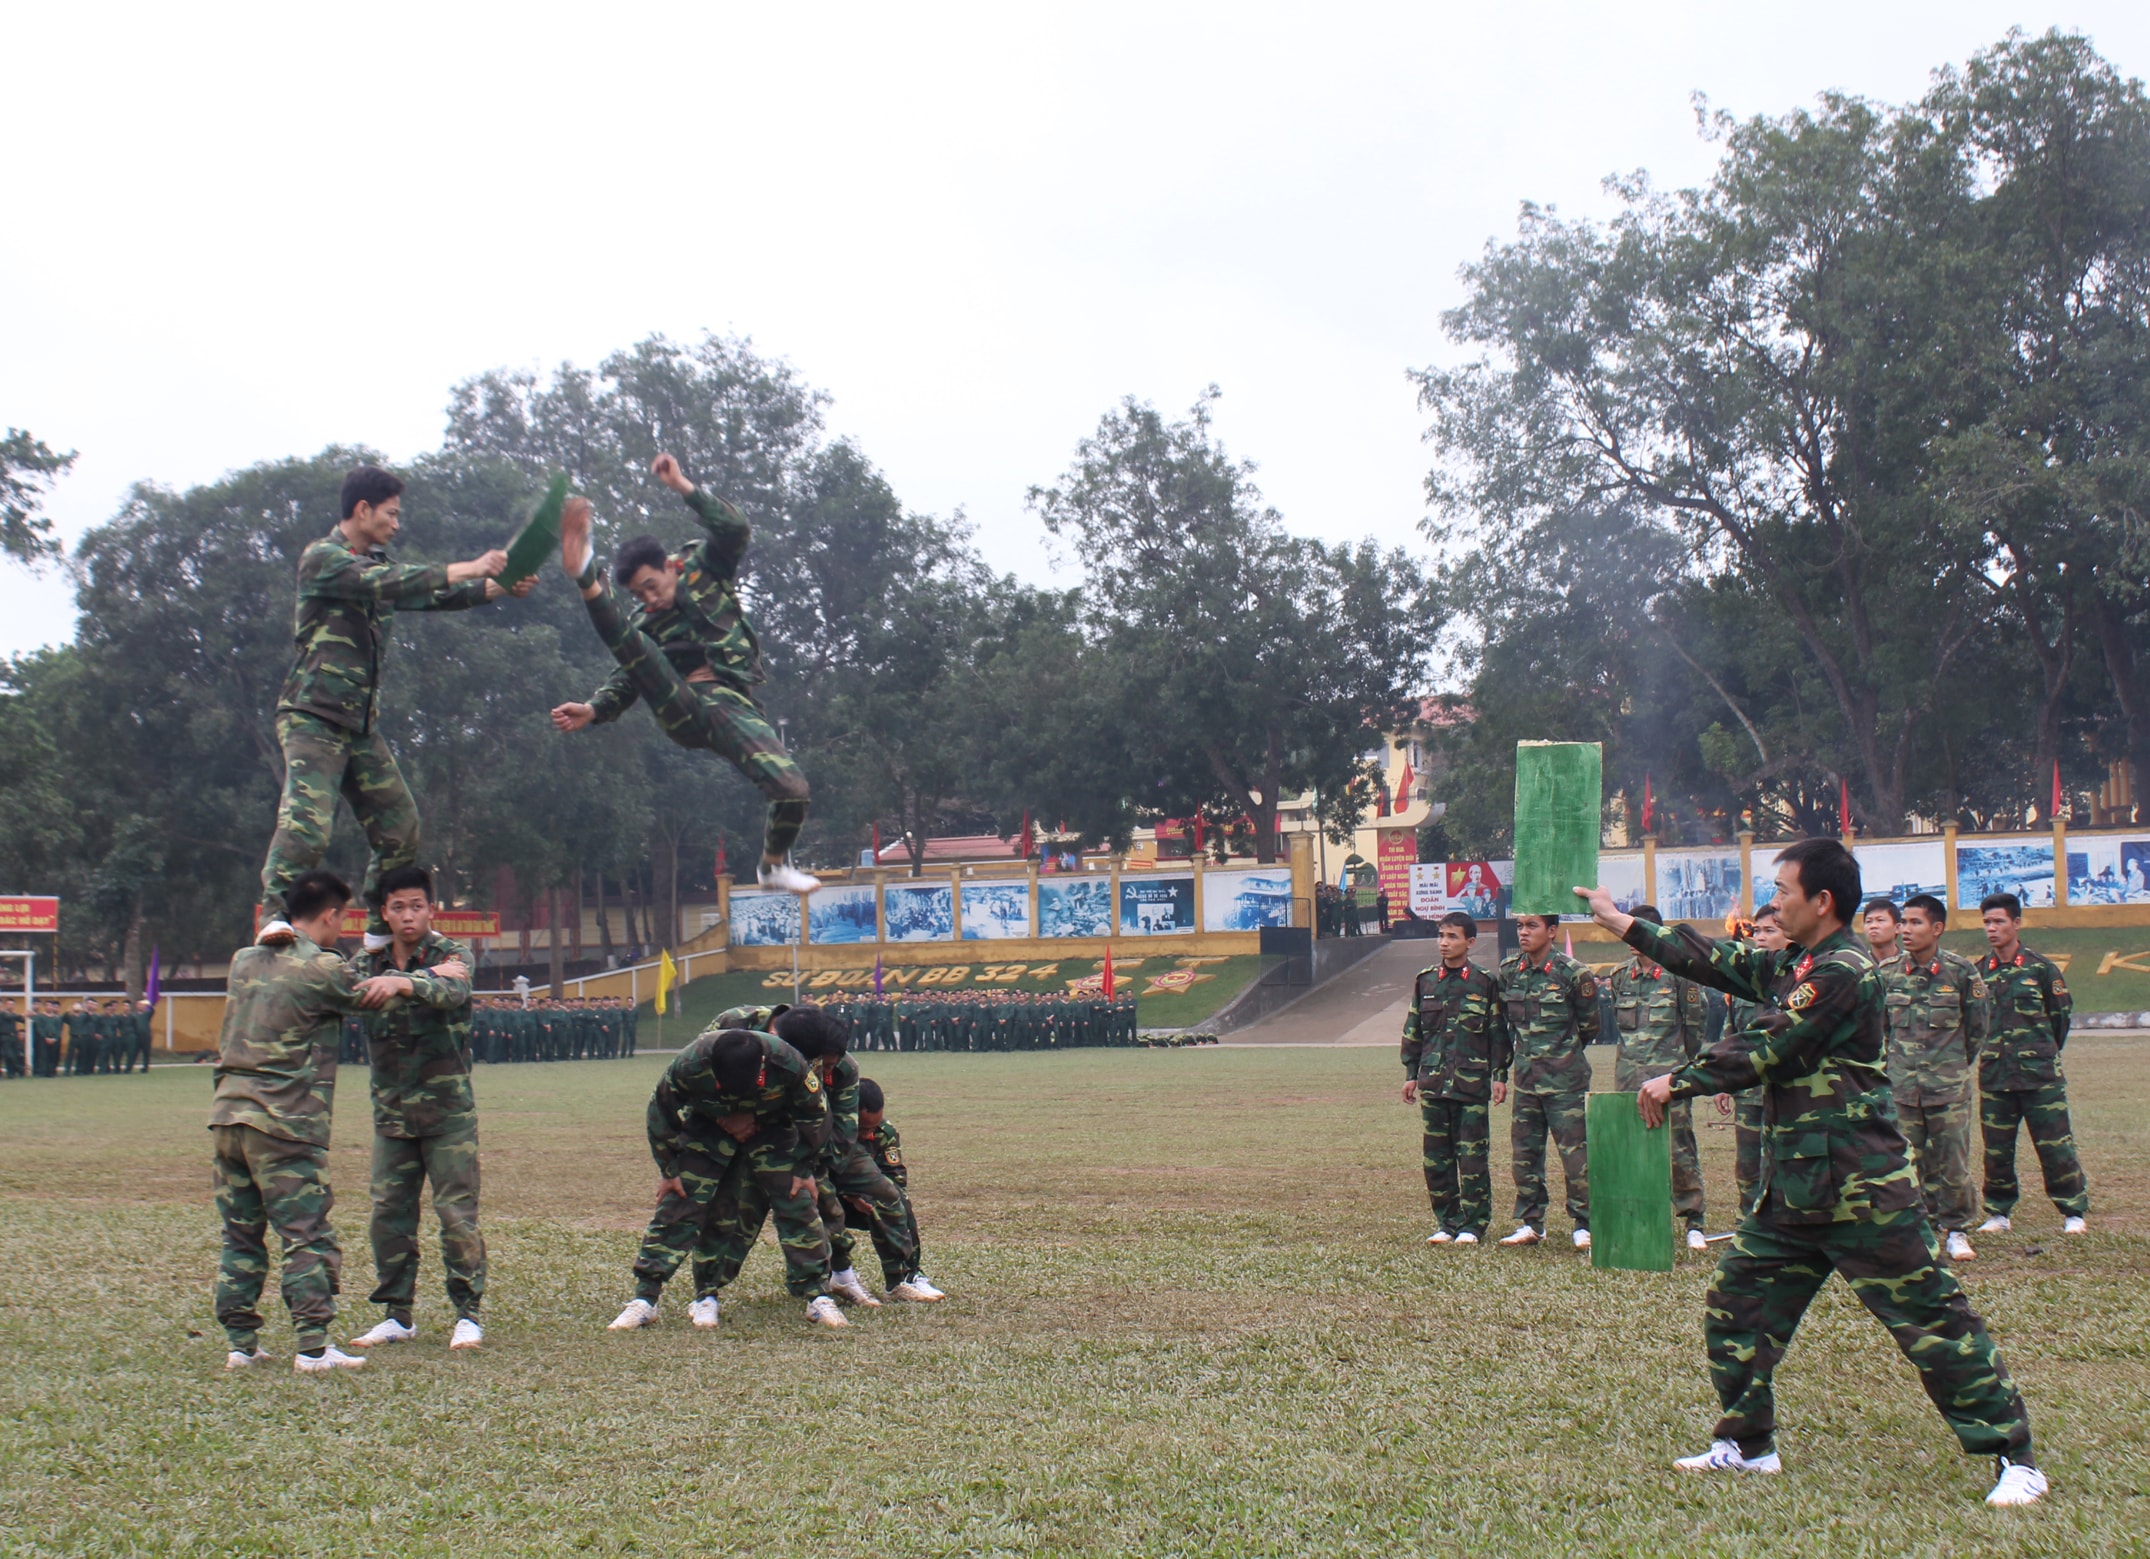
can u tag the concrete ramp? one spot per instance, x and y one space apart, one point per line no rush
1364 1005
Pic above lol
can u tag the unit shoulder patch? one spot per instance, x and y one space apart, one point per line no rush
1802 997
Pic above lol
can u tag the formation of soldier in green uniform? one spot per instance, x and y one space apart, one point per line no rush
91 1039
986 1020
584 1028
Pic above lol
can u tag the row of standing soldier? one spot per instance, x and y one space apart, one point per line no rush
87 1039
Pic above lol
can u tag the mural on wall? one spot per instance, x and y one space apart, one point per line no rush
920 912
846 913
1246 900
2026 870
1478 888
1075 906
1893 871
1152 905
995 911
1621 875
765 919
2109 869
1697 884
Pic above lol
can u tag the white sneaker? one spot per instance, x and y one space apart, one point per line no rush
823 1312
1959 1248
468 1334
639 1312
917 1290
332 1358
275 933
2074 1225
1440 1237
1466 1238
703 1313
1582 1239
787 878
2017 1484
1524 1235
924 1286
846 1285
1997 1224
235 1360
390 1330
1724 1456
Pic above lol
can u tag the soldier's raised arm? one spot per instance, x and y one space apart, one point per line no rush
728 530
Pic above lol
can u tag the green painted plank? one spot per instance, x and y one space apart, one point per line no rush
1630 1187
1558 804
539 539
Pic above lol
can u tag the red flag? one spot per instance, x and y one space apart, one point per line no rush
1198 833
1029 841
720 855
1649 805
1843 805
2056 788
1567 938
877 842
1403 785
1108 971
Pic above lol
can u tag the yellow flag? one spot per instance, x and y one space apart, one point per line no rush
667 977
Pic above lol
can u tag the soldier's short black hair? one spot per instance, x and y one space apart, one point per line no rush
314 892
870 1096
1548 921
1462 922
1825 866
1766 912
736 1059
1648 914
2007 901
1888 906
368 484
1934 909
813 1032
400 879
635 555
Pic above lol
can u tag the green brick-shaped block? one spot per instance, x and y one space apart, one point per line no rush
539 538
1630 1187
1558 798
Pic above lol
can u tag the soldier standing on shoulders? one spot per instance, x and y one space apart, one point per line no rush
1660 1017
2019 1078
1937 1018
1455 1054
1552 1008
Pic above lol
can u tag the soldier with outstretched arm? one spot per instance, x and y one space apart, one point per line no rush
1838 1192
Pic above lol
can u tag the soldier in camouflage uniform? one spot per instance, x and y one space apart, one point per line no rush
1838 1189
687 648
1552 1009
902 1259
2020 1082
1661 1018
425 1118
1747 1103
735 1105
328 716
1937 1015
1455 1055
275 1093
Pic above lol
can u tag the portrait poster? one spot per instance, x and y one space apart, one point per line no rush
1429 889
995 911
847 913
1154 904
1480 888
765 919
1075 906
919 912
2109 868
1247 900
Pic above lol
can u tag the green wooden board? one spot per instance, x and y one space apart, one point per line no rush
1558 801
539 538
1630 1187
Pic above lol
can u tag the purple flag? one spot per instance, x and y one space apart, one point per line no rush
877 974
149 992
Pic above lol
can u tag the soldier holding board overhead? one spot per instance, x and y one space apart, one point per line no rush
1838 1192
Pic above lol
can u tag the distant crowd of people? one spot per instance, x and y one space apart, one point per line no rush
1347 912
985 1020
90 1038
504 1028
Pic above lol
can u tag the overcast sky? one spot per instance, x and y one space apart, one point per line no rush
238 233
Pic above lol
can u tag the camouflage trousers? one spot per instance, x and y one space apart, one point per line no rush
1686 1156
1772 1273
1939 1136
1457 1180
322 762
1747 1147
854 1192
710 715
1536 1116
719 1183
2044 1110
402 1166
265 1182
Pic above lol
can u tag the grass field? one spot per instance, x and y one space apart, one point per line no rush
1191 1314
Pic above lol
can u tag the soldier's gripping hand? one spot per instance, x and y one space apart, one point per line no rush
494 589
666 469
1655 1096
486 565
1410 1091
572 717
1500 1093
382 989
1604 911
671 1185
453 969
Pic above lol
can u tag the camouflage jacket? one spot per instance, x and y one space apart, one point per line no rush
705 626
340 628
276 1056
2031 1007
759 1020
1831 1150
1552 1016
886 1146
1660 1018
1455 1036
840 1086
689 1101
419 1044
1740 1014
1937 1017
